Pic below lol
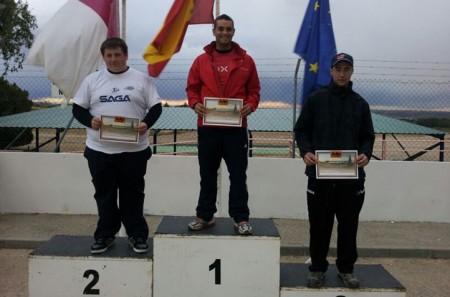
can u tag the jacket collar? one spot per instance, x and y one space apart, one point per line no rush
335 89
237 49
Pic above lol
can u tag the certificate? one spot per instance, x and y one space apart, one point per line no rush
223 112
336 164
119 128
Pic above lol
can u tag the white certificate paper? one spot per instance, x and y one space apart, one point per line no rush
119 129
336 164
223 112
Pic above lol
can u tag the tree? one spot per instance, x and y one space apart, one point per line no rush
16 25
13 100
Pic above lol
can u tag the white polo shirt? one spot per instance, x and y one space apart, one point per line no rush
128 94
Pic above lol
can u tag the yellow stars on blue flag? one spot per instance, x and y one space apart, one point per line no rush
314 67
316 46
316 6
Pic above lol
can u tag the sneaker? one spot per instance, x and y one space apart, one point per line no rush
349 279
101 245
200 224
243 228
315 279
139 245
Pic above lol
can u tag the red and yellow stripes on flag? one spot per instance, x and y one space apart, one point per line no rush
169 39
202 12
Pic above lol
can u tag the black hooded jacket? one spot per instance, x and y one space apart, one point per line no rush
335 118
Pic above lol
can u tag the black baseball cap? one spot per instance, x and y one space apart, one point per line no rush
342 57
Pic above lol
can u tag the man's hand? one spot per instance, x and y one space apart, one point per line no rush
310 159
141 128
362 160
96 124
200 109
246 111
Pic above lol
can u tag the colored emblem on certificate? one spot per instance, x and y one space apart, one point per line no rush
223 112
336 164
119 128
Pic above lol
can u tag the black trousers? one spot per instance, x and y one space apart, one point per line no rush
119 191
231 144
328 199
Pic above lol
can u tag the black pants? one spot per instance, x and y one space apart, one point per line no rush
231 144
119 176
327 199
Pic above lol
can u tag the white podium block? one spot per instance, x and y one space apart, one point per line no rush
216 261
64 266
375 281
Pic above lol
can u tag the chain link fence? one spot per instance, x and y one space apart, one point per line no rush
414 115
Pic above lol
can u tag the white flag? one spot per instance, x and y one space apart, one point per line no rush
68 46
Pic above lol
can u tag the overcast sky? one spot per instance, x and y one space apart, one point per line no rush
371 30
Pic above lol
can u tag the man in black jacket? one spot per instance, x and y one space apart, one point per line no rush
335 118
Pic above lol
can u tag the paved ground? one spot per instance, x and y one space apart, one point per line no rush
416 254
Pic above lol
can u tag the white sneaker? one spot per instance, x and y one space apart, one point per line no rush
243 228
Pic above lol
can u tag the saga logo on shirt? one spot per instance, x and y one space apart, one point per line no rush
118 98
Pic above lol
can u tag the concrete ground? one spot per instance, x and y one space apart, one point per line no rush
417 254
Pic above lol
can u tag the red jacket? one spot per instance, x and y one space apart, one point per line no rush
242 81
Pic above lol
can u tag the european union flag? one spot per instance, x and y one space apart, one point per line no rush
316 45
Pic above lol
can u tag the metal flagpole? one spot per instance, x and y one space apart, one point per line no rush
217 8
121 30
294 114
57 148
124 19
118 18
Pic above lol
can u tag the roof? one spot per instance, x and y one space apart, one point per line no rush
183 118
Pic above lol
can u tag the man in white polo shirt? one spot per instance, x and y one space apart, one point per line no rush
118 168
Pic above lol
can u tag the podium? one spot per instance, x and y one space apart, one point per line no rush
374 281
216 261
212 262
64 266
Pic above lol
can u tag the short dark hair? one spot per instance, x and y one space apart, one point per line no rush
223 17
114 42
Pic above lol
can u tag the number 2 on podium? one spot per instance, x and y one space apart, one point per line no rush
89 290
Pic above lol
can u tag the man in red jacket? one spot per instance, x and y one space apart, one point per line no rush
225 70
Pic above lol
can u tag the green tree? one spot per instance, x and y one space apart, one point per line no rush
16 25
13 100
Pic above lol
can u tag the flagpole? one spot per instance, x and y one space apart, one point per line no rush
118 18
122 232
124 19
294 114
217 8
58 144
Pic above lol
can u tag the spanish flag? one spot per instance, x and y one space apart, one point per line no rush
169 39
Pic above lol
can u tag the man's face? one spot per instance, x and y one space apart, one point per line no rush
115 59
341 73
224 32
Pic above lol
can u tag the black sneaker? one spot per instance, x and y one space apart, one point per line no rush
315 279
139 245
350 280
101 245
